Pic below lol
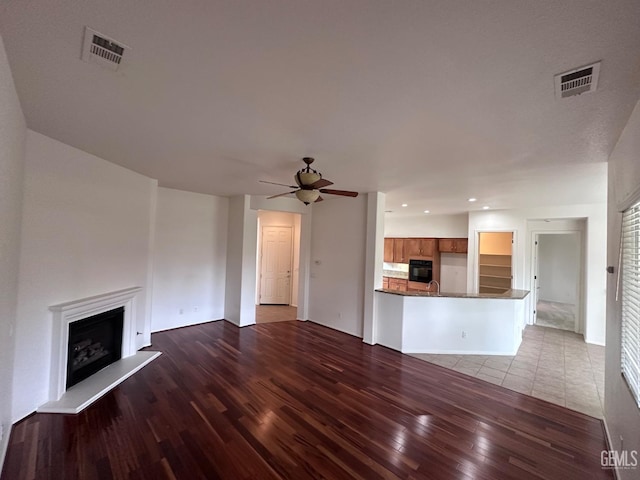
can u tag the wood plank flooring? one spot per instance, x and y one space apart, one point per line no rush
275 313
297 400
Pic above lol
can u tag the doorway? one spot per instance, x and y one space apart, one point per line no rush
277 261
557 280
495 251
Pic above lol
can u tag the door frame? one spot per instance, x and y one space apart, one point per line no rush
259 266
579 326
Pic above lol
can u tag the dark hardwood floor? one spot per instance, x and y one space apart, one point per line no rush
297 400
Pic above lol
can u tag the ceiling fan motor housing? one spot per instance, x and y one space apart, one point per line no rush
307 176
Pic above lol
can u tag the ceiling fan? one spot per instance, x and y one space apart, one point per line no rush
310 185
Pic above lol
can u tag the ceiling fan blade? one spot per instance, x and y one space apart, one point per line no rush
320 184
281 184
344 193
280 195
319 200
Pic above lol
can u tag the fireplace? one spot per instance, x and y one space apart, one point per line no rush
94 349
94 343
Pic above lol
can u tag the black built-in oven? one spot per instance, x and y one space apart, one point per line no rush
420 271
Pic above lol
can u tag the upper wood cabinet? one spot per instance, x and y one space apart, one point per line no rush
394 250
399 251
419 247
453 245
388 250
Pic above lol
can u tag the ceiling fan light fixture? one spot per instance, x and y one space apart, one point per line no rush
307 196
304 179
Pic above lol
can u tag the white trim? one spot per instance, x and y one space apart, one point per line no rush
66 313
199 322
460 352
610 443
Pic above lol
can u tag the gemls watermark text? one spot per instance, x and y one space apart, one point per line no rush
621 460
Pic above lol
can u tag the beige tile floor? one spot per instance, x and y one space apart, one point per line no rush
551 364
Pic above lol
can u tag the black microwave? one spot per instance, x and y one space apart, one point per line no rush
420 271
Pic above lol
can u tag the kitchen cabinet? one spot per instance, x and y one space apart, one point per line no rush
394 250
399 251
453 245
419 247
385 282
388 250
398 284
421 287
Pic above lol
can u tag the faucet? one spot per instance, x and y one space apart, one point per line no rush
437 284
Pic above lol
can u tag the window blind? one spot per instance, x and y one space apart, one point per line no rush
631 299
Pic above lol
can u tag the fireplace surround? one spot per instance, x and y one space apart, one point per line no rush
66 398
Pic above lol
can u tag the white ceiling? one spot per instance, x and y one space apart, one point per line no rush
429 101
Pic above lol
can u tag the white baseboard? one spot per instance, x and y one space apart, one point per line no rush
460 352
611 447
189 324
4 444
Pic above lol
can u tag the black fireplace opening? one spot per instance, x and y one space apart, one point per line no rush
94 343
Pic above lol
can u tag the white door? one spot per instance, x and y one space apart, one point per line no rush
275 266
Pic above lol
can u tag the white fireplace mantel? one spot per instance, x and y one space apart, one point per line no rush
66 313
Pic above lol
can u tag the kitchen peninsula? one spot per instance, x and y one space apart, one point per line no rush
451 323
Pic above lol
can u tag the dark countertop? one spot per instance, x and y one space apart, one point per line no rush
508 295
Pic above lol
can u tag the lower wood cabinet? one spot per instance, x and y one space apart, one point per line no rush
421 287
397 284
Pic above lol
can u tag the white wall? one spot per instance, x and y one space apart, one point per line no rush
295 277
338 239
85 231
12 152
622 415
453 272
595 255
559 267
428 226
189 259
240 288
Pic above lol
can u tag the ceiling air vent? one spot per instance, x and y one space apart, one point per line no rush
575 82
100 49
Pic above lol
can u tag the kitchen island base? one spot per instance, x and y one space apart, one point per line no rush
457 324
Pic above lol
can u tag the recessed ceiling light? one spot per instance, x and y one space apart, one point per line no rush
426 211
472 199
405 205
486 207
